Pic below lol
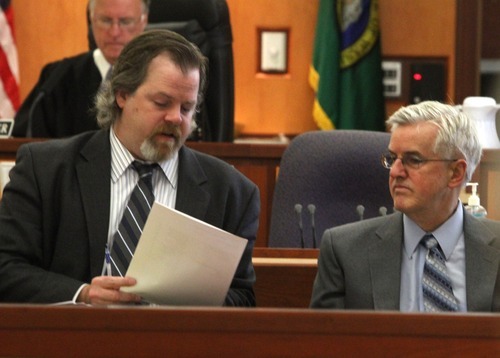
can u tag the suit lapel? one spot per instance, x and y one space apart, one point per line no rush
385 264
93 172
481 265
192 198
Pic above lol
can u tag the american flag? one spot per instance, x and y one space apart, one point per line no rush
9 70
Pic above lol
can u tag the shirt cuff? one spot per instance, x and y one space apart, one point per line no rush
75 297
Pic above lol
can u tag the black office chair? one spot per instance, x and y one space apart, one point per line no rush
207 24
339 173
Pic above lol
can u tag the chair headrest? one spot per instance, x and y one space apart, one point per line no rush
191 30
208 12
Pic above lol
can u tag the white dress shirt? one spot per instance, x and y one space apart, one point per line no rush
124 179
101 63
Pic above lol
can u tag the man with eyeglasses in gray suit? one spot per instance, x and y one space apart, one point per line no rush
60 103
430 255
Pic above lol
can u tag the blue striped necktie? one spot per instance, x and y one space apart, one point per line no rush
130 229
436 284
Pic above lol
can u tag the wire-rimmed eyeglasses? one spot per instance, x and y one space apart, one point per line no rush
124 23
408 160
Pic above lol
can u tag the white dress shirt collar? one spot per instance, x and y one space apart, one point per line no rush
101 63
447 234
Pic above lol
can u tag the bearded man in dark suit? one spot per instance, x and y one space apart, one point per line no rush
65 197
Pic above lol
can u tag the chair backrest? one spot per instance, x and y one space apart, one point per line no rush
336 171
207 24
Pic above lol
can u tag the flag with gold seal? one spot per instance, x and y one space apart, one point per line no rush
346 70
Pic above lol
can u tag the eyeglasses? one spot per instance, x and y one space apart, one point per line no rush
124 23
411 161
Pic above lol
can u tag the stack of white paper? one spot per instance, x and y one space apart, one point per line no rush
181 260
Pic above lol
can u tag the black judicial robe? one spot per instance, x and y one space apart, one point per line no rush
61 103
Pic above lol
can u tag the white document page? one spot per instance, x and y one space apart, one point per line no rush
181 260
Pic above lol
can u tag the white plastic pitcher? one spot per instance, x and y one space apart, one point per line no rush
483 111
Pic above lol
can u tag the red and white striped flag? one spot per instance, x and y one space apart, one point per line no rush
9 69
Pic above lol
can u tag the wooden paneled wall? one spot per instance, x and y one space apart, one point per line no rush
265 104
47 31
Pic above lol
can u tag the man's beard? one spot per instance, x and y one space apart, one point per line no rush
154 151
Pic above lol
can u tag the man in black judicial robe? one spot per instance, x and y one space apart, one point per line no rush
60 104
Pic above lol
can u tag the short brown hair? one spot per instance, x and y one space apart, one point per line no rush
131 68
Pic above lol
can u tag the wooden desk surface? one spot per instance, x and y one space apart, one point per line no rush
80 331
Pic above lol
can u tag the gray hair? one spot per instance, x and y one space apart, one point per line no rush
457 134
131 68
145 6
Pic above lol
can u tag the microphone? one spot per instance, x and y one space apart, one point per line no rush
383 211
298 210
53 79
361 211
312 210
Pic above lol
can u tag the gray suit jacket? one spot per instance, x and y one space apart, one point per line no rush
54 216
359 266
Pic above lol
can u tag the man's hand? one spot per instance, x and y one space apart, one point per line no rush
105 290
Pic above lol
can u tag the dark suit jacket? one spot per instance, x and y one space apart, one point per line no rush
54 216
359 266
62 101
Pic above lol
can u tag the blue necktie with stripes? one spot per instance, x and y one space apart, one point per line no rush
436 284
130 229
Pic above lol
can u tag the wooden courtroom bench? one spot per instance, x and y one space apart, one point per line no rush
285 277
121 331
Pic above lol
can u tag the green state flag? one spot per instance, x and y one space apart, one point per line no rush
346 71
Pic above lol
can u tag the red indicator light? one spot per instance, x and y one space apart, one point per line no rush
417 76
